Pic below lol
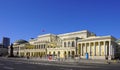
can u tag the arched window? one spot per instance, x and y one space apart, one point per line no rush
54 53
73 44
64 44
68 53
49 53
68 44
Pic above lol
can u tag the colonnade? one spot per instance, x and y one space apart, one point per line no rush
102 48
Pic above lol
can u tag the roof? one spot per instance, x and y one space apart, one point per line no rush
97 38
44 35
21 41
73 33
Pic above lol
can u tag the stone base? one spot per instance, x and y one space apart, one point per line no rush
94 57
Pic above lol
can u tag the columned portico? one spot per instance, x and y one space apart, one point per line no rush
96 49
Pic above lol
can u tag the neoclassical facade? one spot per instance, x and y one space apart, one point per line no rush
103 47
70 45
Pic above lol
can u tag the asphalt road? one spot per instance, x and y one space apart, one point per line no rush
7 64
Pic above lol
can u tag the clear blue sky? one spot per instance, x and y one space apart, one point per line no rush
23 19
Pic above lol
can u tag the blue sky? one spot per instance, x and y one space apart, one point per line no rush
24 19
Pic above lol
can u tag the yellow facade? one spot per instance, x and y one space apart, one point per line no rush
69 45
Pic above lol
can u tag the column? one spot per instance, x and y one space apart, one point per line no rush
18 50
113 51
94 49
76 47
104 49
81 50
85 48
71 44
109 48
89 50
99 48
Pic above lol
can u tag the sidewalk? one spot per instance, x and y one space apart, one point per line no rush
76 61
70 61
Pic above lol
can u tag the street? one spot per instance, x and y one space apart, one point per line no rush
8 64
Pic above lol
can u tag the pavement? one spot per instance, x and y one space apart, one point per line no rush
71 61
32 64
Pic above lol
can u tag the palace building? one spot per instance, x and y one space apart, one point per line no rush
82 44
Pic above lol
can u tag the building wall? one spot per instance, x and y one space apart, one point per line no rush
69 45
6 42
64 52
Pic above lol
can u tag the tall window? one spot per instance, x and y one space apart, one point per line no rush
69 54
58 53
44 45
41 46
73 44
64 44
68 44
53 53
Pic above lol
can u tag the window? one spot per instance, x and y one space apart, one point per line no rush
44 45
68 44
64 44
49 53
41 46
59 53
68 53
53 53
73 44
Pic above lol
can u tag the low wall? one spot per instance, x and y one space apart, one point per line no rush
93 57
